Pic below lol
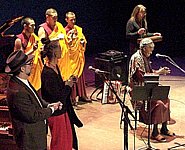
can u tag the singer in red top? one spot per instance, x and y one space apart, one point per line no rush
160 109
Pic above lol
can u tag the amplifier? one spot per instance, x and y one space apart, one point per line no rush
111 54
118 68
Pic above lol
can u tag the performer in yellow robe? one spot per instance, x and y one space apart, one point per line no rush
31 45
76 43
52 29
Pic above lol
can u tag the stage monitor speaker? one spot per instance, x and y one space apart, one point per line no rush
117 68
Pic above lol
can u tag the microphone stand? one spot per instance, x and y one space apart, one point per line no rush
177 66
125 112
174 64
97 88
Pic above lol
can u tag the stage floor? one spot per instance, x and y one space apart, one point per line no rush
101 130
102 122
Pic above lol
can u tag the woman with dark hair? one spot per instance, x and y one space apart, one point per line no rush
61 123
137 27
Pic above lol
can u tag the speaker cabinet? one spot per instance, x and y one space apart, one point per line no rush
118 68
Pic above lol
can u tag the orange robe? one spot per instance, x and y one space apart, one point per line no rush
64 62
35 76
76 44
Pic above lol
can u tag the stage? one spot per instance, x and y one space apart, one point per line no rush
102 131
102 122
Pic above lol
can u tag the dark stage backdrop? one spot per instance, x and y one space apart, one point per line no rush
104 21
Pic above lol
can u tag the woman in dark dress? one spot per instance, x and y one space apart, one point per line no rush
137 27
53 88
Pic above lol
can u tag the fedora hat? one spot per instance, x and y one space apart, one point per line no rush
16 60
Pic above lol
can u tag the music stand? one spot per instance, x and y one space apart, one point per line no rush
148 93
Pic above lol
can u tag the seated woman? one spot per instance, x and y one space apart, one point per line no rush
160 112
53 88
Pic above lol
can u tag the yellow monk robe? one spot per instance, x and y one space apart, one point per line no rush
77 45
64 62
35 77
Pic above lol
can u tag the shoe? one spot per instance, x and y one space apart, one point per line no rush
167 133
85 99
159 138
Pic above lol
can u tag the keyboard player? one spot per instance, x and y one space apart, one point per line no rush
160 109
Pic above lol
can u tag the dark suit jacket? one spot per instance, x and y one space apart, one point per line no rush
27 116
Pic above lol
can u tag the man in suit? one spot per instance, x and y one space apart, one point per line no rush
28 111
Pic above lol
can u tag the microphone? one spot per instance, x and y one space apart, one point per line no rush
168 59
98 71
159 55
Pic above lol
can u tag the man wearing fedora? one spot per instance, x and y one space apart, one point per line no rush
28 111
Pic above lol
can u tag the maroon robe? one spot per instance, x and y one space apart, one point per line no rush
24 39
47 28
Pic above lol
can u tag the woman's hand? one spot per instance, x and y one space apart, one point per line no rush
157 34
71 81
141 31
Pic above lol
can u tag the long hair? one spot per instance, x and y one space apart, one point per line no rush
134 14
